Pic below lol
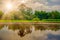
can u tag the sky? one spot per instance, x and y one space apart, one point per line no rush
47 5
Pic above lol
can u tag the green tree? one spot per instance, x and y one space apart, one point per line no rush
54 15
1 14
41 14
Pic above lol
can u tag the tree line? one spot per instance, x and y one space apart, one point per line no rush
37 15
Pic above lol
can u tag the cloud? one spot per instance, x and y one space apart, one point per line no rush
45 5
55 0
41 4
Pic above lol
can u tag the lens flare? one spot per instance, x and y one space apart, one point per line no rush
9 6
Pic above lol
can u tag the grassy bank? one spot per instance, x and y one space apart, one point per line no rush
45 20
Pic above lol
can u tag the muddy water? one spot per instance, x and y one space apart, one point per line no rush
7 34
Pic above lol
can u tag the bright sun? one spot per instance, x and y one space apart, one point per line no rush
9 6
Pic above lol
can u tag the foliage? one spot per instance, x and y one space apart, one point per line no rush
1 13
29 15
47 15
36 19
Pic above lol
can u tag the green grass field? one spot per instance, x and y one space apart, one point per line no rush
45 20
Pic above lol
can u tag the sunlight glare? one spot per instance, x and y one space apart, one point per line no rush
23 1
9 6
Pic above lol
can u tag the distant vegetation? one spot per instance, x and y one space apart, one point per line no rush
28 15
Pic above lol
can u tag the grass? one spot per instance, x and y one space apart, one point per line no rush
45 20
51 20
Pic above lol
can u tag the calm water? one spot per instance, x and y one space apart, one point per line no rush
6 34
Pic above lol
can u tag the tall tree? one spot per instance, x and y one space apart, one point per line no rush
1 14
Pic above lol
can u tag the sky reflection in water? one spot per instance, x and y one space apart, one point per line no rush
36 35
